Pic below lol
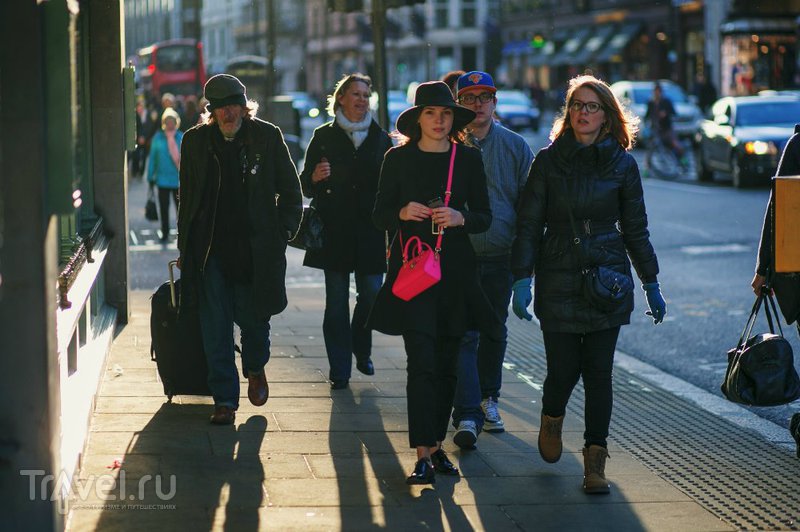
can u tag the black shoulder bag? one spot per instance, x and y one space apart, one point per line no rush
761 367
604 288
310 236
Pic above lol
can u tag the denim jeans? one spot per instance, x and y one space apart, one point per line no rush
590 356
223 303
344 339
480 358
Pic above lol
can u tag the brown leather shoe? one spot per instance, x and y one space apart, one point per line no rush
258 389
223 415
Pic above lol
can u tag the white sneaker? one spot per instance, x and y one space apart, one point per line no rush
466 435
492 422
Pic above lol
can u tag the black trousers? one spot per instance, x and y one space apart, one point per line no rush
430 386
163 208
571 356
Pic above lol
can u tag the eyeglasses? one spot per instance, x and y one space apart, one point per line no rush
578 106
469 99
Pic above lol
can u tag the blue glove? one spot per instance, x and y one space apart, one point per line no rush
522 298
655 301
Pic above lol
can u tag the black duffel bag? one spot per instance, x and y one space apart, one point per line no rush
761 369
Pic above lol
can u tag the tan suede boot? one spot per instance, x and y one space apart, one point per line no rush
594 470
550 438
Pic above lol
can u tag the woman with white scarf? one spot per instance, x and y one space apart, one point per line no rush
164 165
341 172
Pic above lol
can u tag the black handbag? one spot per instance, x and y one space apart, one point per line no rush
605 289
150 210
761 367
310 236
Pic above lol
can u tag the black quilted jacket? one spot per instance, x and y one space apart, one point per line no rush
602 184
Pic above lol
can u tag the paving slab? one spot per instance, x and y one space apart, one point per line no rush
317 459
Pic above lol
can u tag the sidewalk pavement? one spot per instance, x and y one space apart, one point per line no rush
317 459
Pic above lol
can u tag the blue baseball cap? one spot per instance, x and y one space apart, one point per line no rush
475 80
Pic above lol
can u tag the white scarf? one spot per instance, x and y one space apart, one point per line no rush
357 131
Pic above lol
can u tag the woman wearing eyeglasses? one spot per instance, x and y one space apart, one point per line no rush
586 172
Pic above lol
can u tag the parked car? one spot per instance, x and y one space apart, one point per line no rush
516 110
635 95
745 136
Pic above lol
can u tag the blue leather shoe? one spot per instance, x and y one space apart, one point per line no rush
442 464
366 367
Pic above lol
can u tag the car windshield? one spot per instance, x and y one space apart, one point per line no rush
513 98
768 113
673 92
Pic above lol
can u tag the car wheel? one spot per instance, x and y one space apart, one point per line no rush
740 179
703 173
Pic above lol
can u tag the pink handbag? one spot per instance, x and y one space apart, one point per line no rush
421 267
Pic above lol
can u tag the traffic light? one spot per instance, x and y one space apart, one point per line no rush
346 6
537 41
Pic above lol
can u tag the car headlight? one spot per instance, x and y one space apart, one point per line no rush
760 147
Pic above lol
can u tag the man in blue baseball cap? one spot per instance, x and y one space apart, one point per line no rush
507 159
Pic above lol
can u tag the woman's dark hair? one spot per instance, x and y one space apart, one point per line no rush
340 88
620 123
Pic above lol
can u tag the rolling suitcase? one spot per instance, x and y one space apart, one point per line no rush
176 342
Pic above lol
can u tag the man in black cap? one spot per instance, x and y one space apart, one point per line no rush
240 201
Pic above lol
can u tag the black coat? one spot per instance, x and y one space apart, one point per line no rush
345 200
457 303
274 203
786 286
603 185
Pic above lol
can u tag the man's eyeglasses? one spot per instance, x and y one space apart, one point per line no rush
469 99
591 107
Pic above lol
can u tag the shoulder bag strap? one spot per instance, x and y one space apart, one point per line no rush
576 240
447 194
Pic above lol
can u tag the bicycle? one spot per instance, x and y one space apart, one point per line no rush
661 158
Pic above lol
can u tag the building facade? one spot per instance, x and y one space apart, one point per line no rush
423 41
63 240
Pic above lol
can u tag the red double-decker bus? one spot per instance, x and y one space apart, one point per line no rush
174 66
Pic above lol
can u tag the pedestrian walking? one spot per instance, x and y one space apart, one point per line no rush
240 203
786 286
164 164
507 160
342 168
585 174
413 201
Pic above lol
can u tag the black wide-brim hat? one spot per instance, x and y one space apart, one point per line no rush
430 94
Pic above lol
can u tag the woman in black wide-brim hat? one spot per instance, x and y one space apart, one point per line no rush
410 202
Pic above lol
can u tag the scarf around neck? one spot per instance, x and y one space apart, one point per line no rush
357 131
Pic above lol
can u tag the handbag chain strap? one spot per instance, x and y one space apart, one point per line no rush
447 194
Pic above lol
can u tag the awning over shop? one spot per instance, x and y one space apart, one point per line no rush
567 53
618 42
549 49
592 46
759 26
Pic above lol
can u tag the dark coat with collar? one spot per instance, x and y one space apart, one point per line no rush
457 303
274 210
786 286
602 184
345 200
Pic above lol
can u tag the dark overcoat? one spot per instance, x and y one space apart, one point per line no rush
457 303
786 285
345 200
274 208
601 182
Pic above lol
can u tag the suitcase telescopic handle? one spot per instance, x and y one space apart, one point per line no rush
172 265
